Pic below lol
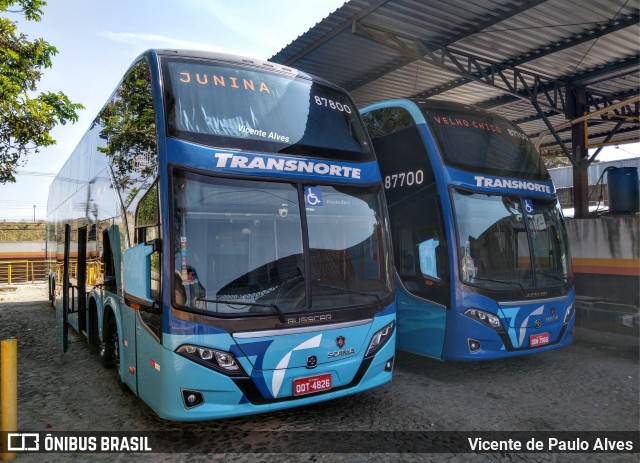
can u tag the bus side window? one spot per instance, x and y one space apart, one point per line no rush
108 265
148 229
148 217
427 251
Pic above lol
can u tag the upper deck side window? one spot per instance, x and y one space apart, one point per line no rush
127 133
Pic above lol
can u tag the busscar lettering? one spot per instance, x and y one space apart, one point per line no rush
236 161
309 319
238 83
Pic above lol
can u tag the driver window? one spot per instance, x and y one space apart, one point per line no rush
427 250
419 246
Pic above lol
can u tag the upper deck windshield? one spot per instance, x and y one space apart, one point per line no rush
478 141
242 107
241 249
499 250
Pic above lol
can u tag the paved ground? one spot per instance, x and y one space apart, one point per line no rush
585 387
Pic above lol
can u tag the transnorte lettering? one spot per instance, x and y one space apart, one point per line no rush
508 183
236 161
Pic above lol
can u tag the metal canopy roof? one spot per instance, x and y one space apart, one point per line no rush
533 61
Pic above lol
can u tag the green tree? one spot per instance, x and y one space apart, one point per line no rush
554 158
26 118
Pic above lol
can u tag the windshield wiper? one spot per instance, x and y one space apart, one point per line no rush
555 277
252 304
506 282
322 285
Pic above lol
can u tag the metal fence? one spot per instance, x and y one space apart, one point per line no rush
22 271
32 270
94 270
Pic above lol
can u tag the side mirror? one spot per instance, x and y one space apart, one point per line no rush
137 277
154 243
428 259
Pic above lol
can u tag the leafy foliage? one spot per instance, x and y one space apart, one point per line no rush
555 158
26 120
148 214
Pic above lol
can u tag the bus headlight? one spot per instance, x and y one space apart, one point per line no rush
380 338
484 317
570 311
218 360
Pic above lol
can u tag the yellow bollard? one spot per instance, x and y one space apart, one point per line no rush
9 277
9 391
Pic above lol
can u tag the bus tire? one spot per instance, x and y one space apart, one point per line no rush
107 353
110 348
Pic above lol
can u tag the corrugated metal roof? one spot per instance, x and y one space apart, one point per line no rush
381 49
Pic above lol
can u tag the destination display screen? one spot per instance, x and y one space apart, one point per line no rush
253 108
479 141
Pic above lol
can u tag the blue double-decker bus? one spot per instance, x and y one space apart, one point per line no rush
220 237
480 247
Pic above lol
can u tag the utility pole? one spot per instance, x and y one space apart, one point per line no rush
34 213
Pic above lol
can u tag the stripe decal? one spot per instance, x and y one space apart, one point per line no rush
629 267
281 368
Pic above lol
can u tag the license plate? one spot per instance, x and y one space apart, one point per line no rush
541 339
312 384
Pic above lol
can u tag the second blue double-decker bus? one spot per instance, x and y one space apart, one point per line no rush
480 246
220 236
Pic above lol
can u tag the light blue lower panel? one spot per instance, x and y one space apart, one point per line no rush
167 374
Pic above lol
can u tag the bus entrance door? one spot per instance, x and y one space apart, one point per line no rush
138 303
421 325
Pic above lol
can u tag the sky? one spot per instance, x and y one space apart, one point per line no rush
98 40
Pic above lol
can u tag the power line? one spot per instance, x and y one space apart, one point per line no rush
36 174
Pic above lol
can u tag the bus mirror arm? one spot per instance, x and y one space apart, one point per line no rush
155 243
151 307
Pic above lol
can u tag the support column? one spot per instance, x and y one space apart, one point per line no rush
579 141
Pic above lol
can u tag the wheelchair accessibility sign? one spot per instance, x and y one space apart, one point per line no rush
313 196
528 205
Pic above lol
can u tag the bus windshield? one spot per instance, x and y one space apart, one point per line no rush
240 107
241 249
482 142
497 250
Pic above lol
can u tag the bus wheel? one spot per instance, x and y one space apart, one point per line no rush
108 344
110 350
